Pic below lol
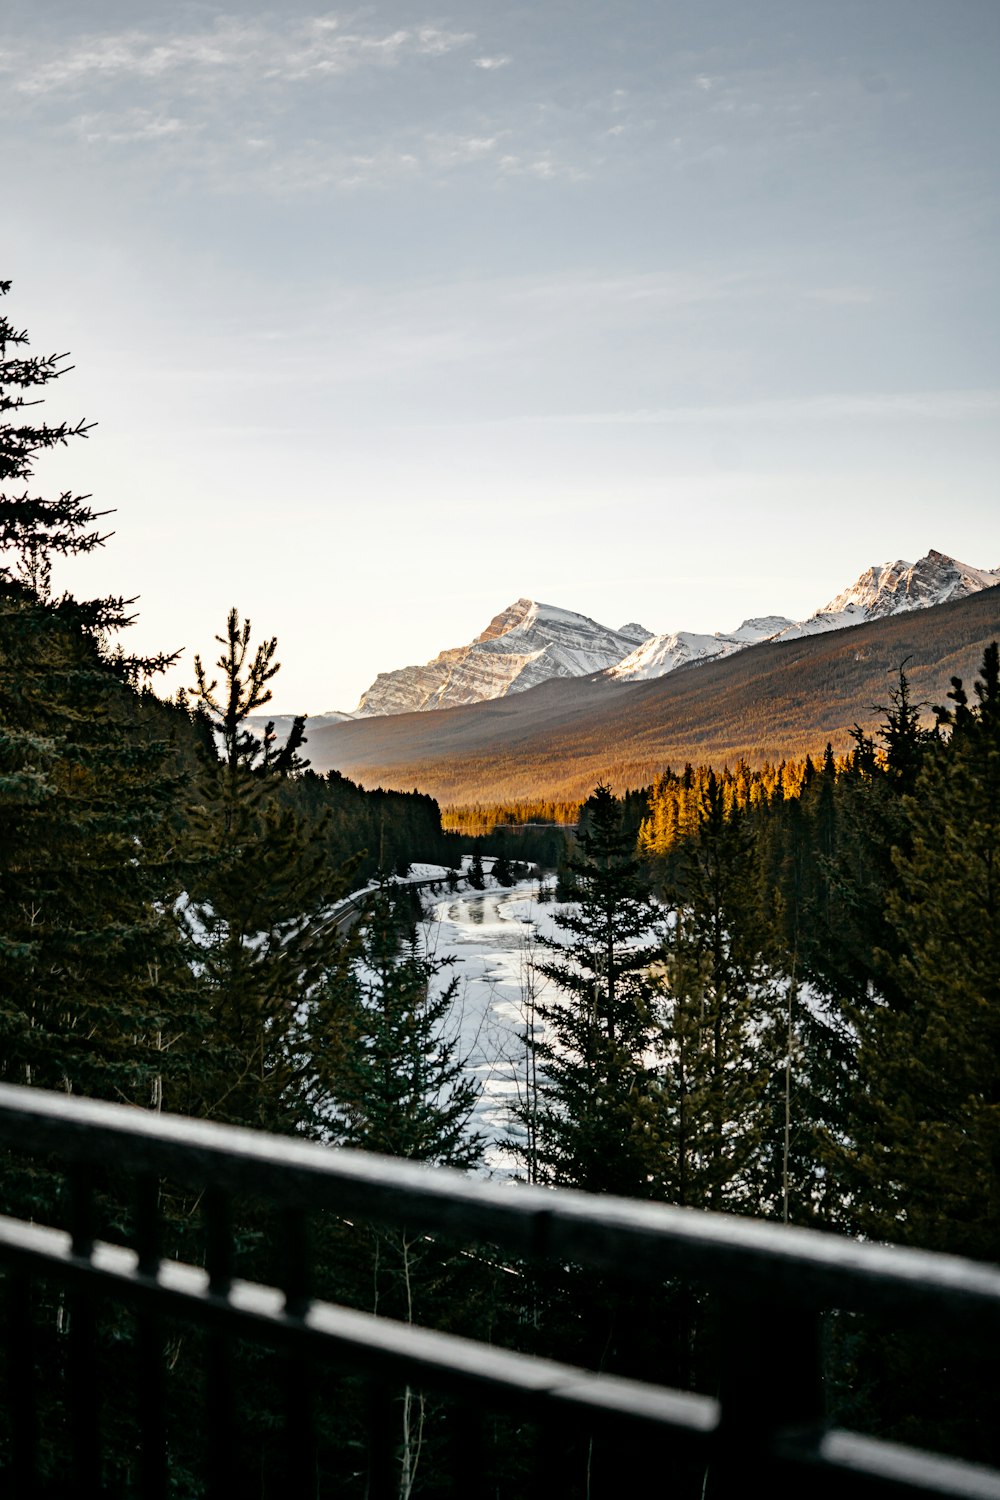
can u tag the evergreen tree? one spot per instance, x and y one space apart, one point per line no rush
90 968
477 879
399 1083
592 1050
257 913
929 1135
849 936
34 528
95 995
716 1039
88 962
388 1060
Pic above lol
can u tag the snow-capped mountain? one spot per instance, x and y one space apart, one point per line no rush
528 642
880 591
525 644
895 587
662 653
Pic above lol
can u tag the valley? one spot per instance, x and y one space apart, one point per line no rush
768 701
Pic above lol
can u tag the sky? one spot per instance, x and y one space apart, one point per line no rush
665 312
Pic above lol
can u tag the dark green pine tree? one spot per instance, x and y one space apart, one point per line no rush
90 969
91 972
386 1050
590 1122
716 1039
263 938
929 1148
923 1153
848 927
95 993
814 1045
590 1128
477 879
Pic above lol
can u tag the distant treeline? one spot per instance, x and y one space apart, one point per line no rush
482 817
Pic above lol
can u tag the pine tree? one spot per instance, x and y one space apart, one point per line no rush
922 1155
88 960
95 994
716 1038
399 1083
257 913
32 527
592 1050
90 967
930 1063
849 930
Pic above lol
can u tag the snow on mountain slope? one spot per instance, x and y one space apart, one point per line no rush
935 579
895 587
663 653
880 591
525 644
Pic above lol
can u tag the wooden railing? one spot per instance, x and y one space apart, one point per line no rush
764 1426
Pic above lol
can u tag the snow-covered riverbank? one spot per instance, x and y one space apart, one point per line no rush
492 938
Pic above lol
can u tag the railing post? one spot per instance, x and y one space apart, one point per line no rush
300 1433
151 1394
221 1428
83 1375
770 1382
383 1476
20 1374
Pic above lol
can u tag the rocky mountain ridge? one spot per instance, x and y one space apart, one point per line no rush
777 698
663 653
528 643
880 591
525 644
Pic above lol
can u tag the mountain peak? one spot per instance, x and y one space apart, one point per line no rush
520 613
525 644
529 642
901 585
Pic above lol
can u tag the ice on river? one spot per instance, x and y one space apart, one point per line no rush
492 937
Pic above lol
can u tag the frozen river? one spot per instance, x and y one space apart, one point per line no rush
492 938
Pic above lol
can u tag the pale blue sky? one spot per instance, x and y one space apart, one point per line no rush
664 312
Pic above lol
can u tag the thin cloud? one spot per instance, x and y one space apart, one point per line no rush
125 128
458 150
545 168
489 63
946 406
234 51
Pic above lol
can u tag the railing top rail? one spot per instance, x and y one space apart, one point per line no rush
649 1240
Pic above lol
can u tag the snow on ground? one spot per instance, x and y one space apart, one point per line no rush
492 937
424 872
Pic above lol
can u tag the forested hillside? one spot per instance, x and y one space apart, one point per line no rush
556 741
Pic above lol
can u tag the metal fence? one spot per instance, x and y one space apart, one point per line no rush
764 1429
